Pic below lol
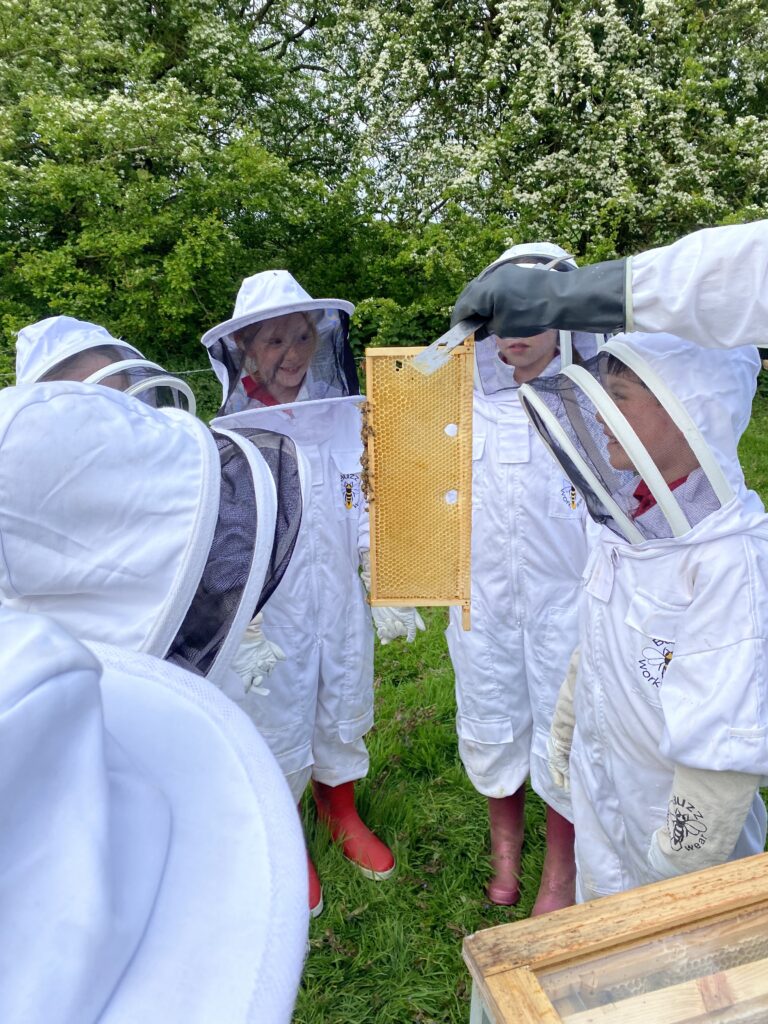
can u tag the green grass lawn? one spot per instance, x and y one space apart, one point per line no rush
391 951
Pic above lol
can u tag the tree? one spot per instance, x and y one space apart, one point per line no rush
607 125
152 154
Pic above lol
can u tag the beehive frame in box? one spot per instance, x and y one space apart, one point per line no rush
682 951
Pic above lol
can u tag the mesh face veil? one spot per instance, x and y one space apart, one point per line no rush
146 381
260 506
281 346
63 348
627 435
494 376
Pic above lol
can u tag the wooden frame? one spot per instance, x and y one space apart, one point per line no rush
427 539
504 961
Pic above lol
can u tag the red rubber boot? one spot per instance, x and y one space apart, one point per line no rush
315 890
506 815
558 876
336 807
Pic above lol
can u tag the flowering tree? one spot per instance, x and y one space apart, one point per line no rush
606 124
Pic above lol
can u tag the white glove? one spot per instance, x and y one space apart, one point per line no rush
256 657
705 816
561 730
390 623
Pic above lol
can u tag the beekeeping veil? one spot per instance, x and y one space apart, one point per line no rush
275 293
693 469
138 527
493 377
153 863
63 348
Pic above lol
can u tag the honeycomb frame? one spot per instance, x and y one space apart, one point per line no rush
417 477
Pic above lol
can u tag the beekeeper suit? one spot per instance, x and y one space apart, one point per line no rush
153 864
671 699
63 348
140 526
528 552
710 286
284 363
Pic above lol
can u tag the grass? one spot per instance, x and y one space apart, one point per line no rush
390 952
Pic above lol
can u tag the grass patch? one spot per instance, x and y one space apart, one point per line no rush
391 951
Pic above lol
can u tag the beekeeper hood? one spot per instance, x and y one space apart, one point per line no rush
493 376
648 431
136 526
153 863
63 348
281 346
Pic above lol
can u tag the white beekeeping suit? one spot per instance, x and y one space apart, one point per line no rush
140 526
284 363
153 864
671 700
710 287
63 348
529 548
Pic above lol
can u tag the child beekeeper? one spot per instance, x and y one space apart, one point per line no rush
528 553
64 348
284 363
141 527
671 696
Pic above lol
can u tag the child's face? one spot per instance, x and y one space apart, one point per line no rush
663 441
280 348
529 356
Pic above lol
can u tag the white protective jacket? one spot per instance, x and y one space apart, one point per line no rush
320 699
710 287
529 548
674 635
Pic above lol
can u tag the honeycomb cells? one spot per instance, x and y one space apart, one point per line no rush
418 476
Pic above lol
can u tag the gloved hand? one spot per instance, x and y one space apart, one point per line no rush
705 816
517 302
390 623
256 657
561 731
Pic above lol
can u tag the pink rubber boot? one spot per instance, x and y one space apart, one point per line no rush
336 807
558 876
506 815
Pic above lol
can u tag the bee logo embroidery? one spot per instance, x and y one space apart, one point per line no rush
655 661
569 494
685 822
350 490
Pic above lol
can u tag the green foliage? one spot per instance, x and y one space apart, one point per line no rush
153 155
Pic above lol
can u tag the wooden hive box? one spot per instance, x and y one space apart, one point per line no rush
683 951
